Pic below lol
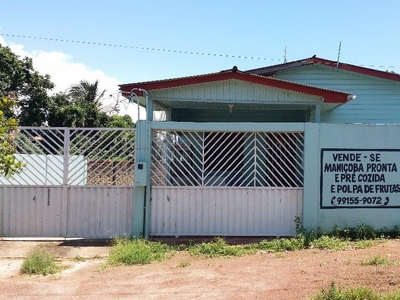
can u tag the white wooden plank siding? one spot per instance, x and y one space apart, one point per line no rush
230 91
377 99
228 211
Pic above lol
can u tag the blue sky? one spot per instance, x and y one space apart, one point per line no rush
368 31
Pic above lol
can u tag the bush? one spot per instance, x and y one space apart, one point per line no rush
137 251
330 243
40 263
280 245
376 260
218 247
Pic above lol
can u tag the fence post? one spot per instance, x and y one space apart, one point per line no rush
141 205
64 217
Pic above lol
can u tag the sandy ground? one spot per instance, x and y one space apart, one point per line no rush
291 275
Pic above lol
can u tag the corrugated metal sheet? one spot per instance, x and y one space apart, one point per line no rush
87 212
31 211
100 212
225 211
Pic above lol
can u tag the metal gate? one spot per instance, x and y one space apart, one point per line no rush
77 182
226 183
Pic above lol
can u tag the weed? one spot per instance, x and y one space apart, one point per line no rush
323 263
40 263
337 293
78 258
137 251
299 226
376 260
363 244
330 243
184 264
218 247
140 251
280 245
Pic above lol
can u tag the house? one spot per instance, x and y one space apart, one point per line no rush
246 152
377 92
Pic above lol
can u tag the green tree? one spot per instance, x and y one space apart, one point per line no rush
81 106
19 79
87 92
8 126
118 121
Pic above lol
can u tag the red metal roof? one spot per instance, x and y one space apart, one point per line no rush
329 96
267 71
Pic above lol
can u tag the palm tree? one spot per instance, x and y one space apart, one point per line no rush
87 92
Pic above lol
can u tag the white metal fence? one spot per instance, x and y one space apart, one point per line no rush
226 183
192 158
77 182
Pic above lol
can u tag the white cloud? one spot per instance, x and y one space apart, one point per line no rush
64 73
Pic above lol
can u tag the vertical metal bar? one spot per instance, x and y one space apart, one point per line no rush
64 210
255 158
202 160
66 156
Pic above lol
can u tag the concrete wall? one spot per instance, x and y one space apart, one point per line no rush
352 176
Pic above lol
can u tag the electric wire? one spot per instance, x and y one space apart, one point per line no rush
138 47
162 49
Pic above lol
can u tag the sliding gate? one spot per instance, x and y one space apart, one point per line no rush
226 183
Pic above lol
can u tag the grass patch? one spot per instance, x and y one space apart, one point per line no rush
376 260
140 251
218 247
184 264
330 243
337 293
137 252
78 258
40 263
284 244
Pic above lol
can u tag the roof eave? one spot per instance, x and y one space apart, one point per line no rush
329 96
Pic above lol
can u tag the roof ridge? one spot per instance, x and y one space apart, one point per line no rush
271 70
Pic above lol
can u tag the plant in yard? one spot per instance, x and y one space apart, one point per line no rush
40 263
376 260
184 264
137 251
218 247
285 244
79 258
358 293
330 243
8 128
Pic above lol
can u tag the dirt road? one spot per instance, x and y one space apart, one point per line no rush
292 275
